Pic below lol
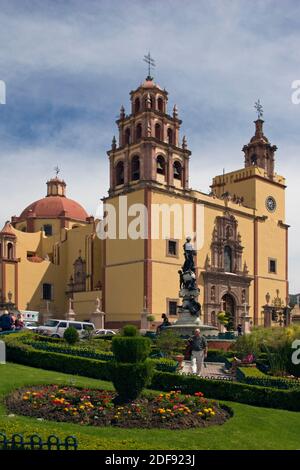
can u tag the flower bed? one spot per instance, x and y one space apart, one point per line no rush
96 407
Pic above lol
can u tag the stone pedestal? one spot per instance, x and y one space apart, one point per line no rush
70 315
267 316
144 320
246 324
2 353
98 316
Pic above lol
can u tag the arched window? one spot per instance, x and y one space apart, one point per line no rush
47 229
120 173
146 102
138 132
135 168
254 159
127 136
213 318
170 136
157 131
160 165
160 104
177 168
10 251
137 105
228 259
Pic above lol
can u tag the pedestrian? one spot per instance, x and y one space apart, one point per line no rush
239 329
164 324
7 322
198 346
19 323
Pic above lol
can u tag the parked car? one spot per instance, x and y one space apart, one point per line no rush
56 328
104 332
31 325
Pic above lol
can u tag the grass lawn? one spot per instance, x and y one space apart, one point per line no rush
250 428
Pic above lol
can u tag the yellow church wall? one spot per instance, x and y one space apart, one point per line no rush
164 268
124 250
264 189
124 293
271 245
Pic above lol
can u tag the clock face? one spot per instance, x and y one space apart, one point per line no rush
271 204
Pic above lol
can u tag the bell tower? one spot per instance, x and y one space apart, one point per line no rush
259 152
148 148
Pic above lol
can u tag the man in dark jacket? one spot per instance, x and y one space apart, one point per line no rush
6 321
199 351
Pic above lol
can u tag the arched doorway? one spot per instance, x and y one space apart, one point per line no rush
229 305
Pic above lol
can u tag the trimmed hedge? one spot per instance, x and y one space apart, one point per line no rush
253 376
131 348
162 364
231 391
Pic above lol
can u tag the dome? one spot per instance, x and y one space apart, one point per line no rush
52 207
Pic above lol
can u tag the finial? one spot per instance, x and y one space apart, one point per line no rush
175 111
57 171
184 142
114 143
122 112
151 63
259 108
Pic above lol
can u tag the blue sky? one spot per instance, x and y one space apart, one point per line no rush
69 65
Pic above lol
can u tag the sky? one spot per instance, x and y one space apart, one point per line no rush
69 65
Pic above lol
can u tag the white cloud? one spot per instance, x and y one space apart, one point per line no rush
69 66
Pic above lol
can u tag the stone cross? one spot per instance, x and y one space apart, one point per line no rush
2 353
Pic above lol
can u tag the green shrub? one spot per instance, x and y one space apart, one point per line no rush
253 376
71 335
169 343
130 379
130 371
131 348
129 330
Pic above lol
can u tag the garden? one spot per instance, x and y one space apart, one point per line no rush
128 366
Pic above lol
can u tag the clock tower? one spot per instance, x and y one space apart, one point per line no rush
258 187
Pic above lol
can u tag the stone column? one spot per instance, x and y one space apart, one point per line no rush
144 316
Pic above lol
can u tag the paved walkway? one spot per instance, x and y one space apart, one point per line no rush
211 370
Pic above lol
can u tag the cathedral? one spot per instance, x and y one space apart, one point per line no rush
52 253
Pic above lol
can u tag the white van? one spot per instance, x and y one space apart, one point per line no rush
56 328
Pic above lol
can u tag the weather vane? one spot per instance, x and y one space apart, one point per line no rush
259 109
151 63
57 171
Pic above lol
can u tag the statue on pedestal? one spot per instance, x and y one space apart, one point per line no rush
188 286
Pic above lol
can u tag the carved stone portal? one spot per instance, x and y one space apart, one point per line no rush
226 279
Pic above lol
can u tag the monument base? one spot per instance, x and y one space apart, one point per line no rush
187 323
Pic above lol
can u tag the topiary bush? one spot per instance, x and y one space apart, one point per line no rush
130 330
71 335
130 371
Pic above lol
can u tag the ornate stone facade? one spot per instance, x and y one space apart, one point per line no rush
226 284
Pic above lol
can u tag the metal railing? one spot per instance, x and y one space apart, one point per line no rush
35 442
